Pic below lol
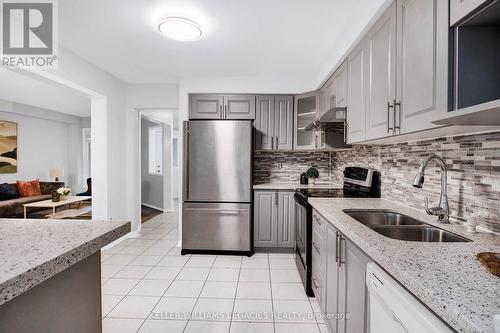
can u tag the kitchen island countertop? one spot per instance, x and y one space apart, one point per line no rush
33 251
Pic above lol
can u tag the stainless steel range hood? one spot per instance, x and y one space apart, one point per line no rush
332 119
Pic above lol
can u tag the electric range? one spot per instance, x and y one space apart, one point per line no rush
359 182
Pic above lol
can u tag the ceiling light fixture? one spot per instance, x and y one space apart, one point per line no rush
179 28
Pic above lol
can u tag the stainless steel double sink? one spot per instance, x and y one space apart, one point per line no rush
402 227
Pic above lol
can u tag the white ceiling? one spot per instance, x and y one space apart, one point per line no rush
23 89
267 38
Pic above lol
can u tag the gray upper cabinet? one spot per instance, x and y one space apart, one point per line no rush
205 106
265 218
274 122
286 220
422 49
283 106
356 63
265 122
239 107
274 219
305 113
381 78
340 87
213 106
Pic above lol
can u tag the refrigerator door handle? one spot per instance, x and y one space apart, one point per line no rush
229 211
186 161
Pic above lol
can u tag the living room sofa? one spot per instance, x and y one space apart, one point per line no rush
14 207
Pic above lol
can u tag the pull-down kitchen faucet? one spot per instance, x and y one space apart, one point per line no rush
442 210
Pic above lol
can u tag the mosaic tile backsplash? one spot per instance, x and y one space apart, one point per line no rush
473 171
287 166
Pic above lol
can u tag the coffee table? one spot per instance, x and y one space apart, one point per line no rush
50 204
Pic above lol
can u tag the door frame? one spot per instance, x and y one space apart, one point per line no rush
139 115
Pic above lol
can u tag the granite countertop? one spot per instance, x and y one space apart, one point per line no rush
291 186
32 251
444 276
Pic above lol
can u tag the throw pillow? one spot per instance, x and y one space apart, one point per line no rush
29 188
7 192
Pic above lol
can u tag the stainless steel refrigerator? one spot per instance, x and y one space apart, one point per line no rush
217 186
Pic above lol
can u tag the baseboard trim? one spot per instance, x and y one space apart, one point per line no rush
153 207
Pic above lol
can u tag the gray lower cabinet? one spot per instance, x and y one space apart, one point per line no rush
332 278
216 106
345 293
274 122
265 217
318 255
286 219
353 283
274 219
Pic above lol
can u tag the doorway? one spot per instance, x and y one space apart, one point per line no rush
158 161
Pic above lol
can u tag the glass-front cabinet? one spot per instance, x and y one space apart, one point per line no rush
306 113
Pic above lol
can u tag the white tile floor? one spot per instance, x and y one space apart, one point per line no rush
148 286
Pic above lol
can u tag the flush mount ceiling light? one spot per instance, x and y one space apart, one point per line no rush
179 28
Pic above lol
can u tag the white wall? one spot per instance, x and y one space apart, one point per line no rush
108 95
46 139
141 97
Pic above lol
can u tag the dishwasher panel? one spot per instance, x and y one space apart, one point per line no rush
393 309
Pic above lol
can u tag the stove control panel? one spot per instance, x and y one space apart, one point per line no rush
359 176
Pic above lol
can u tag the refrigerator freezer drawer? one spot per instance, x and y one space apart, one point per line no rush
216 226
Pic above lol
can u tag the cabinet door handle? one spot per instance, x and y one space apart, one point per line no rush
277 143
389 107
316 247
345 131
317 219
225 111
398 105
272 142
221 115
337 241
314 283
276 198
341 261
